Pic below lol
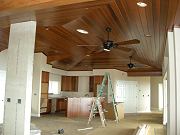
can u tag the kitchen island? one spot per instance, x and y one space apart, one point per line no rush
80 107
71 106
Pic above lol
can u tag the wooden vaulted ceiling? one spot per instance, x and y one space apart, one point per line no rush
57 21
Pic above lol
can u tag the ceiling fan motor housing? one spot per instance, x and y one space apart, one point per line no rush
130 65
108 29
108 44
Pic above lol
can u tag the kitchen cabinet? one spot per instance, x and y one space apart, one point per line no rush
61 105
93 82
69 83
45 103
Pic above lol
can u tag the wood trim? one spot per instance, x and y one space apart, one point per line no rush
149 73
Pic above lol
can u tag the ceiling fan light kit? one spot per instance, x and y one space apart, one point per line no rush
107 50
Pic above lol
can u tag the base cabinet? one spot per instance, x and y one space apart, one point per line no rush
61 104
45 106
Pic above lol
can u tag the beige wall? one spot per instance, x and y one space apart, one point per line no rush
116 75
143 92
154 83
3 60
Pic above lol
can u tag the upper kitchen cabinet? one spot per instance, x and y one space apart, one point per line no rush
93 82
69 83
45 77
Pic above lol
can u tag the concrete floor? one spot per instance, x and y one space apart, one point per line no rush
49 124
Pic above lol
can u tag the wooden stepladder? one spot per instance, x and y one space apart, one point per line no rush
96 104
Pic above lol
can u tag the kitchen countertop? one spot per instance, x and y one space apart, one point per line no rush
62 97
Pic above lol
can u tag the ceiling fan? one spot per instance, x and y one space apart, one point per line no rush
108 44
134 65
130 64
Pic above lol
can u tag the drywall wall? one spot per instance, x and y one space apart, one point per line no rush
3 60
143 93
83 84
83 88
41 65
36 87
154 84
115 75
2 93
3 63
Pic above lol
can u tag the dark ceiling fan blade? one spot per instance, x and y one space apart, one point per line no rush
88 45
128 42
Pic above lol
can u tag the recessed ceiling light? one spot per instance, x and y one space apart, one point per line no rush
82 31
107 50
47 28
148 35
141 4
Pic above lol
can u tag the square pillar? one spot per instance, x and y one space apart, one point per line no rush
171 92
18 91
177 76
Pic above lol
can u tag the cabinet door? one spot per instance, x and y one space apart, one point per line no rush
61 105
74 83
91 83
49 104
45 77
94 81
63 83
44 92
69 83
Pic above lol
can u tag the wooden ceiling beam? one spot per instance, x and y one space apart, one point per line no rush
57 57
145 73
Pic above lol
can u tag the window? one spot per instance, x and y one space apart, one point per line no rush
54 81
53 87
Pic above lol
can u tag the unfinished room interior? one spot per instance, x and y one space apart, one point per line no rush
89 67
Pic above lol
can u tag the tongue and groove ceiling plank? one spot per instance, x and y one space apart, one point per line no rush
57 21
